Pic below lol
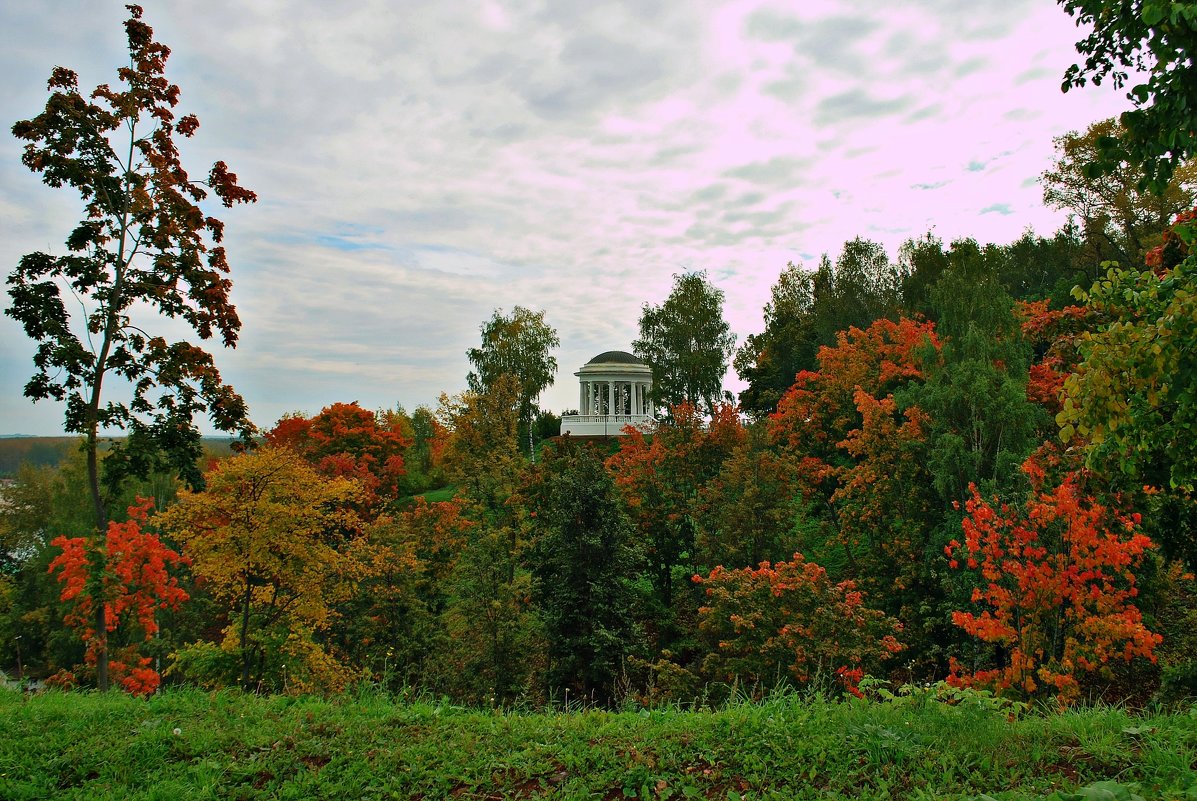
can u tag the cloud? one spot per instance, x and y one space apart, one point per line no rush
421 164
592 72
776 171
855 104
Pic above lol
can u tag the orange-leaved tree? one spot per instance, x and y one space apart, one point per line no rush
789 622
1057 588
345 440
861 458
137 581
660 478
1052 334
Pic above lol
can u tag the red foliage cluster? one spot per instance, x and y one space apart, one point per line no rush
438 533
135 583
857 453
1173 250
1057 589
822 407
665 471
789 619
135 676
345 440
1052 333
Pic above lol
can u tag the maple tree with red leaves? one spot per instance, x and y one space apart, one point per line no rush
137 582
1052 333
144 245
347 441
820 409
660 477
858 454
1057 588
788 621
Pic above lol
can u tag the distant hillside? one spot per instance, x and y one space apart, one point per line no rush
40 451
17 449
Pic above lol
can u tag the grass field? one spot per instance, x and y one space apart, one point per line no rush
190 744
441 494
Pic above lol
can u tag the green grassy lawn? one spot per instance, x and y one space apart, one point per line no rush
188 744
441 494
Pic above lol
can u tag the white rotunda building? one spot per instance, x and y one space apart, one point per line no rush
614 390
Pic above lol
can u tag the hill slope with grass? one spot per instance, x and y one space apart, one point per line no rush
190 744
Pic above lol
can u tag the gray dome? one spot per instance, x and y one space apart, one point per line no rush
615 357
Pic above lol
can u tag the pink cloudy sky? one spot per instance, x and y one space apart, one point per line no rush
420 164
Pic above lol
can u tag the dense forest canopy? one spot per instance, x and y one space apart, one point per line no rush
971 461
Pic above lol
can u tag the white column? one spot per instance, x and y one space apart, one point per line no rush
610 397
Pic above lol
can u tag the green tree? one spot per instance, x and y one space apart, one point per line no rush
1121 221
808 311
922 262
391 624
516 345
489 620
687 343
583 564
982 424
1132 401
1156 38
422 474
865 287
483 456
768 361
33 508
144 241
1038 268
25 515
493 631
746 513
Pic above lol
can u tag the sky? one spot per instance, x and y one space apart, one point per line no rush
421 164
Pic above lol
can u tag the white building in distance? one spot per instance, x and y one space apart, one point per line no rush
614 390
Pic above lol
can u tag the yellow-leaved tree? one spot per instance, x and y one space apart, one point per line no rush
278 546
